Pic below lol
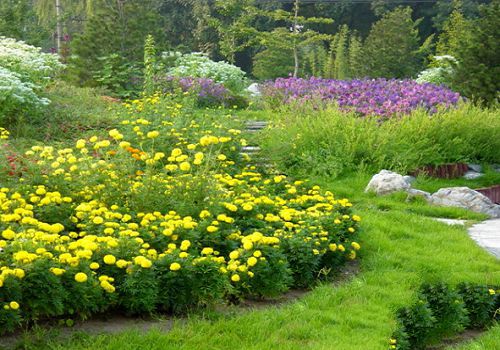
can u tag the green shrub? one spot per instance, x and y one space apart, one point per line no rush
417 323
480 304
330 142
447 307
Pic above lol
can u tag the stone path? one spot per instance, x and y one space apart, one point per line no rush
487 235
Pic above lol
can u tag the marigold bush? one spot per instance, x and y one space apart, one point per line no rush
161 214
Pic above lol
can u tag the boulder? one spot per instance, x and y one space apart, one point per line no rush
418 193
464 197
409 179
471 175
254 89
386 182
475 167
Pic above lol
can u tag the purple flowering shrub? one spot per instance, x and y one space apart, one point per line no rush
205 91
378 97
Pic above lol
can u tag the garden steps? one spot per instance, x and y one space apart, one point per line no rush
254 151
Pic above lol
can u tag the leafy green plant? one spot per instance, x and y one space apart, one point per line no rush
480 304
119 76
417 322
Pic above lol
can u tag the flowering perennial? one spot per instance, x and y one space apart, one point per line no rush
162 213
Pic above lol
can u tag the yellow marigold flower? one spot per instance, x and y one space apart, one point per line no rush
207 251
247 206
252 261
355 246
175 266
234 255
204 214
80 144
121 264
8 234
491 291
98 220
176 152
152 134
109 259
332 247
257 253
247 245
351 230
94 266
57 271
212 229
14 305
235 278
356 218
115 134
185 166
341 248
183 255
81 277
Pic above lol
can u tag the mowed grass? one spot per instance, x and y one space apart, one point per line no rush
401 248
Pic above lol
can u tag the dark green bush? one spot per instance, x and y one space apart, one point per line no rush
480 304
417 322
447 307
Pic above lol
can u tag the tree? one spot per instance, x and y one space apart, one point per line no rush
457 31
478 69
116 28
19 20
392 48
293 32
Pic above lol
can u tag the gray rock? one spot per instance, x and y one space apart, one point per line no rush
386 182
254 89
496 167
475 167
471 175
409 179
464 197
418 193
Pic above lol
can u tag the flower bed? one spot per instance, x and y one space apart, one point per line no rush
378 97
160 214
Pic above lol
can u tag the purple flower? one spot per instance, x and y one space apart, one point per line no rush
379 97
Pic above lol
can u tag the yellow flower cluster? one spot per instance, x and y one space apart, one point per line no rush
158 189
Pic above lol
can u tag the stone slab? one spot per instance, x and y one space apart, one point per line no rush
487 235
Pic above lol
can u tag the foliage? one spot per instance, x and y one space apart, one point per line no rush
113 36
478 70
162 203
440 312
457 32
378 97
480 304
150 66
118 76
24 71
392 48
198 65
440 72
331 143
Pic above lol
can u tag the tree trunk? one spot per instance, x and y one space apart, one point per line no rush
295 32
58 26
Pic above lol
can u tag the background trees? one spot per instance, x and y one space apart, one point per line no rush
102 39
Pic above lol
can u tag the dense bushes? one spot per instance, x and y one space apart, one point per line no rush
442 311
24 71
162 213
330 142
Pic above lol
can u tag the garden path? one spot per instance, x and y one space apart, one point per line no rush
487 235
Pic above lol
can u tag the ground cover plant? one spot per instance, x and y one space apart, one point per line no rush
375 97
160 213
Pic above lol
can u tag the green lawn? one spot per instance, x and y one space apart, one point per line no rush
401 248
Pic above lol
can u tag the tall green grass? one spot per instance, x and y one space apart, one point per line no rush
330 142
